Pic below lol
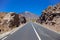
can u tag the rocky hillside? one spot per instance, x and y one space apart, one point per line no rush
51 17
10 20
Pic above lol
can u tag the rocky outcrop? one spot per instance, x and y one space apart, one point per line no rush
10 21
51 17
49 14
2 14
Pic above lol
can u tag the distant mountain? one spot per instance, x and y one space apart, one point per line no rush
30 15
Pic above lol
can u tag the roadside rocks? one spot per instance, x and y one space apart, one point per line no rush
49 14
10 21
51 17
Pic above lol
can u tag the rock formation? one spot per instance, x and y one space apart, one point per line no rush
51 16
10 21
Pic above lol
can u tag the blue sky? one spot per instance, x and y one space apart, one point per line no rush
34 6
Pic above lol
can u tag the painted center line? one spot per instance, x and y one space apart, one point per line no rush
36 32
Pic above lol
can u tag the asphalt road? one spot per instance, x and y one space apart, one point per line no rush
32 31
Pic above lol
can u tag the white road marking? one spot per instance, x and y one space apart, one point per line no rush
4 38
36 32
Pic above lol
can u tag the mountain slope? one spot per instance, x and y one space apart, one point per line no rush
30 15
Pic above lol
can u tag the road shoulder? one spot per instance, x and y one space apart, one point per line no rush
47 28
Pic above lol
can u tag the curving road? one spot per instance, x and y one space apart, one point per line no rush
32 31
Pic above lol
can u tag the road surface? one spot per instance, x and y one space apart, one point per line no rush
32 31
